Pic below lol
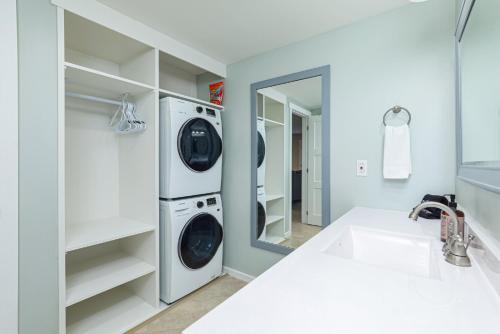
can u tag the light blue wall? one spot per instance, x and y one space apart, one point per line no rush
38 230
401 57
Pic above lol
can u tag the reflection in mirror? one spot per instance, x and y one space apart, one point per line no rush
289 162
480 82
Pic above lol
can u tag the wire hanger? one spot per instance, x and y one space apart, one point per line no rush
396 110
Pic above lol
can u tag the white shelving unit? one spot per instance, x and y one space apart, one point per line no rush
109 189
273 197
100 274
271 219
111 85
116 311
86 234
272 111
271 124
164 93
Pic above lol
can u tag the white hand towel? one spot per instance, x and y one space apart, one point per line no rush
397 152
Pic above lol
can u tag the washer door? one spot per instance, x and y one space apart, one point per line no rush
261 150
199 144
261 219
199 241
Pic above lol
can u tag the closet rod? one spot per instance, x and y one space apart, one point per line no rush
94 98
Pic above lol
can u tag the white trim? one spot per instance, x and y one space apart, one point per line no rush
304 114
9 215
238 274
273 94
61 107
305 168
112 19
298 110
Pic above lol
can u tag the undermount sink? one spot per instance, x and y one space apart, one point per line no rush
393 251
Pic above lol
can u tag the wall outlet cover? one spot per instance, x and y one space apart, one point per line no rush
362 168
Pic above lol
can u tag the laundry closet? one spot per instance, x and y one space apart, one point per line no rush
110 87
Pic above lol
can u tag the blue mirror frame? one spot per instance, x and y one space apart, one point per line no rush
324 73
486 177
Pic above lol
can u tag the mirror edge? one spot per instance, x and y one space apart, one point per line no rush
482 176
324 73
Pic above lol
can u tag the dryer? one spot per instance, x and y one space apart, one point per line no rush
261 152
190 149
261 213
191 242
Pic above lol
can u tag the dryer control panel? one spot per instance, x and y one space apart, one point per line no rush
211 201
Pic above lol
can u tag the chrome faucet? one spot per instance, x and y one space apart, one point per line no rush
454 250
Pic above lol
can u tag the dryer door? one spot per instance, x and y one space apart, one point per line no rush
261 219
261 150
199 144
199 241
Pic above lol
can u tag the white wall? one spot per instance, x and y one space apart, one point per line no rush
8 174
38 178
402 57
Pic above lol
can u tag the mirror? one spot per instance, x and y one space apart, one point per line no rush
480 85
288 162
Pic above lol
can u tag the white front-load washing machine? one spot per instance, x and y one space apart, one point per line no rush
261 213
261 152
190 149
191 235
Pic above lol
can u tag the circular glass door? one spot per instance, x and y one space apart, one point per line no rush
199 241
261 219
199 144
261 150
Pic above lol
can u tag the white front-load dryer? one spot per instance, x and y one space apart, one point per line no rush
190 149
191 235
261 213
261 152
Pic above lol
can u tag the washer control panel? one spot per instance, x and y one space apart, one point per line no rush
210 112
211 201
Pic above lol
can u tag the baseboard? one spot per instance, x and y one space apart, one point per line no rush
237 274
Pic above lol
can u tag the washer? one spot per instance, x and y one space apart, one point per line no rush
191 235
190 149
261 152
261 213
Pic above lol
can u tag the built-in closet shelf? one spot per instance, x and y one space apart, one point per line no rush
94 276
271 219
164 93
271 124
115 311
111 86
273 197
85 234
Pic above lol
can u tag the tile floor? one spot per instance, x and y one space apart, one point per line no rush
186 311
300 232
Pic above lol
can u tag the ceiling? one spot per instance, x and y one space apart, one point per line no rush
306 92
232 30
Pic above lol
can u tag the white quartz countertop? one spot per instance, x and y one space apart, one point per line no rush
310 291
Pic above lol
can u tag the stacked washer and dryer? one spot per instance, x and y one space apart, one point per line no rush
191 226
261 179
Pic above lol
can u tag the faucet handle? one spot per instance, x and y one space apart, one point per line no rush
470 238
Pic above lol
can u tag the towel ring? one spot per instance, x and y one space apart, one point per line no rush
396 110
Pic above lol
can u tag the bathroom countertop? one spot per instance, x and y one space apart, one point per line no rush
310 291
